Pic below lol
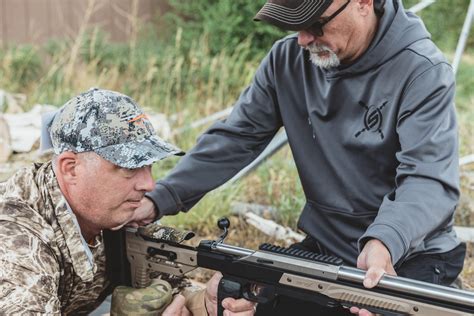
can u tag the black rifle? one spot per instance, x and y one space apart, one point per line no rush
273 272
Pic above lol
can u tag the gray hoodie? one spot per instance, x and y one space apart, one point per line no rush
375 142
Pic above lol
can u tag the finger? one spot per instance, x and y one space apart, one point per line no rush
212 286
185 312
244 313
176 306
373 276
118 227
237 305
354 310
361 261
364 312
216 277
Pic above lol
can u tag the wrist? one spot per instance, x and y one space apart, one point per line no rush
377 243
153 208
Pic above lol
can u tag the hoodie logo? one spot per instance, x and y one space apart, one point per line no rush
373 119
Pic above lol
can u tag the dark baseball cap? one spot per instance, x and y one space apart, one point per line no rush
292 15
113 126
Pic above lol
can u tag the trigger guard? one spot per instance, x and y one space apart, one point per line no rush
248 295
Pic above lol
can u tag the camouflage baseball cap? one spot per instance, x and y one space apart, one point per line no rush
111 125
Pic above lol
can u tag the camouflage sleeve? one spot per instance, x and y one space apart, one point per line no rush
29 273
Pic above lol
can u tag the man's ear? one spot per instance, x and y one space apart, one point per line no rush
365 6
66 167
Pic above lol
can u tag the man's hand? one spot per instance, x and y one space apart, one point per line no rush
376 259
233 307
177 308
144 214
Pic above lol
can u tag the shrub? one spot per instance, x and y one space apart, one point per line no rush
227 23
20 66
230 22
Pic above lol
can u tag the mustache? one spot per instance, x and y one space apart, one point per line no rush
318 48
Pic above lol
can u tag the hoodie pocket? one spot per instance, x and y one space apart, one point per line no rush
337 230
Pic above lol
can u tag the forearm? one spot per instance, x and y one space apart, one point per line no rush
418 211
219 155
225 148
426 186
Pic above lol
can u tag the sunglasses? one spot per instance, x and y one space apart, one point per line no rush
316 29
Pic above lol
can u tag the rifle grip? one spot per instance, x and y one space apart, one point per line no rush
227 288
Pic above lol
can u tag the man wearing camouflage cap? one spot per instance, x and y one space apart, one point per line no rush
52 258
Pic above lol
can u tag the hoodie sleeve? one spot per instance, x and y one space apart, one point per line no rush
427 179
225 148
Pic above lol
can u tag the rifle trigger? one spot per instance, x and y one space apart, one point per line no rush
259 293
171 256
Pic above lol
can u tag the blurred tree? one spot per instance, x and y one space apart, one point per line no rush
230 22
444 20
226 23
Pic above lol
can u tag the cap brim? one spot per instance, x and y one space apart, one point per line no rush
293 19
134 155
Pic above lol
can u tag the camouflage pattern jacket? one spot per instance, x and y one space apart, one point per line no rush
44 267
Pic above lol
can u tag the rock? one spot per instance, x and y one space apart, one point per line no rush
12 103
5 140
241 208
25 128
160 124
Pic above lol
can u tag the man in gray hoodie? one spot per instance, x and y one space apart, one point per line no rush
366 99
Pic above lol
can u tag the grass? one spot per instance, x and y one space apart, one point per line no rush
465 104
186 85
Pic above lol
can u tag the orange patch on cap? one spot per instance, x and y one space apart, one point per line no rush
139 117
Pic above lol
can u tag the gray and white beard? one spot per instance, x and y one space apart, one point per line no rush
326 62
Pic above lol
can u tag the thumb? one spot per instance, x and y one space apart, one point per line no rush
362 260
176 307
373 276
212 286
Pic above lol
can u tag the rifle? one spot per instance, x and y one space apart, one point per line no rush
272 272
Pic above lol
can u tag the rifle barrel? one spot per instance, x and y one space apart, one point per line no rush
345 273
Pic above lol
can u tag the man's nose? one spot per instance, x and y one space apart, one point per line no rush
305 38
145 180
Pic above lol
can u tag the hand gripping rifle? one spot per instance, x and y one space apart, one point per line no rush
272 272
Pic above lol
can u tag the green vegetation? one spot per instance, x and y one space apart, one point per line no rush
20 65
227 22
208 56
444 20
465 104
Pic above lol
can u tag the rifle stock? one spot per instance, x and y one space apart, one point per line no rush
271 272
